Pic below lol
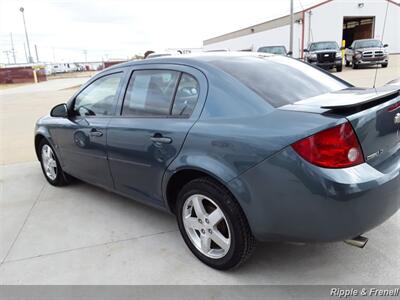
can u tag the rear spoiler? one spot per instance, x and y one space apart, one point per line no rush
347 101
364 99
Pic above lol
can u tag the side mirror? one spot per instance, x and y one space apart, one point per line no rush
350 48
342 48
386 45
59 111
305 50
289 53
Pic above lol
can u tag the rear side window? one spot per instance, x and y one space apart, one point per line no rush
150 93
160 93
186 96
279 80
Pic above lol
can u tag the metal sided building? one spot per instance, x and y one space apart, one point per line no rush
331 20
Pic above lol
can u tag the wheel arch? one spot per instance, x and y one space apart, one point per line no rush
39 137
176 180
40 134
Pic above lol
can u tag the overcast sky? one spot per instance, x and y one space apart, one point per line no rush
64 29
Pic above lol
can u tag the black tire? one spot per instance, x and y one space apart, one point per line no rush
339 68
347 63
242 241
385 65
61 178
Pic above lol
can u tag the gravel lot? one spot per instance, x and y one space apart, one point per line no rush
81 234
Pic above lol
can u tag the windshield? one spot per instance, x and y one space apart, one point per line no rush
273 49
324 46
280 80
368 44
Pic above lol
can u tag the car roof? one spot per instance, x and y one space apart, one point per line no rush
194 59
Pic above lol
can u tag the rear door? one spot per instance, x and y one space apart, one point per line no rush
160 105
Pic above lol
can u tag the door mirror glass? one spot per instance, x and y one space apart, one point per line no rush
350 47
386 45
305 50
59 111
289 53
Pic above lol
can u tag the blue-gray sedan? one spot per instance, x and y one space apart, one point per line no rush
240 147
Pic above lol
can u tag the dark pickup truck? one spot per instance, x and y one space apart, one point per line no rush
326 55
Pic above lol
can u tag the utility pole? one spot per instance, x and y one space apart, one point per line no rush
37 56
26 56
291 27
12 48
7 52
309 26
30 58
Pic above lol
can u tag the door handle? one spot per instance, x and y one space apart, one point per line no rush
159 138
95 132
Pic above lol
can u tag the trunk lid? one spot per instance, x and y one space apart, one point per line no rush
374 115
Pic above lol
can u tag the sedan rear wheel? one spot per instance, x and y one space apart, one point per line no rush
213 224
206 226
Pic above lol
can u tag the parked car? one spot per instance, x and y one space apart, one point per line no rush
367 52
280 50
325 55
239 146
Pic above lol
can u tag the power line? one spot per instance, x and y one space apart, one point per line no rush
383 33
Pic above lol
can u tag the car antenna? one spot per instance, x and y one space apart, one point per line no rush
383 33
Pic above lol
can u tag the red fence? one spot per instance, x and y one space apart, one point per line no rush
20 75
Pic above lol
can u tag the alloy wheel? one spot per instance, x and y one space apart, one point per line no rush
49 162
206 226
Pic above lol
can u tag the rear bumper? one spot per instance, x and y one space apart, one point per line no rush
286 198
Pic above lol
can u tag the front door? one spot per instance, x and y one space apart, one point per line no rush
82 137
156 115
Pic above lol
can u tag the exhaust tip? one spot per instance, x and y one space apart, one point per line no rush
359 241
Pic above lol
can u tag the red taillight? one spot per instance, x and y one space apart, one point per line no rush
394 107
337 147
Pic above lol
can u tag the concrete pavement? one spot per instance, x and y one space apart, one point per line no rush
81 234
20 107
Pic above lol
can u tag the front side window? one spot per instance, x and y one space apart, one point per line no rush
99 98
150 93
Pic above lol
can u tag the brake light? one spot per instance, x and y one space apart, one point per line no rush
336 147
394 107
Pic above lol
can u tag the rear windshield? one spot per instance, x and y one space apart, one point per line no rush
279 80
